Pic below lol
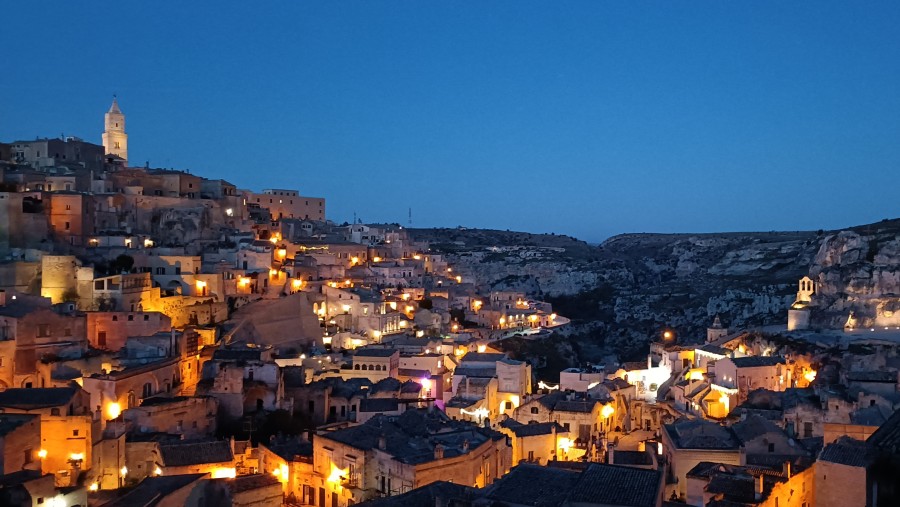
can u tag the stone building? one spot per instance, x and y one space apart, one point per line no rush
391 456
283 203
20 442
35 328
68 426
190 416
686 443
110 330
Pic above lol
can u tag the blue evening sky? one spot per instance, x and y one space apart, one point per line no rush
581 118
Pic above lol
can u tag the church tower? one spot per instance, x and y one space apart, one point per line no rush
115 140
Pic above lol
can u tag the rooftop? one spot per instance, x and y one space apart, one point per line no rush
184 453
152 489
756 361
412 436
427 496
617 485
700 434
533 485
373 352
847 451
29 399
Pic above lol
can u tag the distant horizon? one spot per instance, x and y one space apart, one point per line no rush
586 119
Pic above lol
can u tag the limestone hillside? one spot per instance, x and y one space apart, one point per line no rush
623 292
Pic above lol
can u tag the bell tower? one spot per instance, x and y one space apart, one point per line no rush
115 140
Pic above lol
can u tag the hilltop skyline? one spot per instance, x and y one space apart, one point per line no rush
587 120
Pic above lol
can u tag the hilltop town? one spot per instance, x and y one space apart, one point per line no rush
171 339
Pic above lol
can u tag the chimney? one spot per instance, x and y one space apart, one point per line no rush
438 451
786 469
758 493
2 298
649 361
382 442
465 445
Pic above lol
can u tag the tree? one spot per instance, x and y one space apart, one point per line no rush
121 264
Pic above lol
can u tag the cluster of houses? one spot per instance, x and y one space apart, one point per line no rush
166 339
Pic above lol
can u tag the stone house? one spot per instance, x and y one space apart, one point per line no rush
686 443
752 372
193 417
536 443
20 442
34 329
110 330
390 456
69 427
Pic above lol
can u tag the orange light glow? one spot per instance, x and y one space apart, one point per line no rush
223 473
607 411
113 410
336 474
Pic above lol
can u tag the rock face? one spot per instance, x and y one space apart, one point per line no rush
636 284
858 272
649 281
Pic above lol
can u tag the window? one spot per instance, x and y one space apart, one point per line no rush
74 433
101 339
43 330
531 456
771 447
68 226
130 318
146 318
68 207
148 390
54 411
160 271
177 270
29 456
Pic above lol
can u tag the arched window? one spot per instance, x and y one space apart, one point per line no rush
355 366
132 402
148 390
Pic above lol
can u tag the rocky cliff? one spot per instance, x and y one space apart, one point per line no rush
857 272
638 284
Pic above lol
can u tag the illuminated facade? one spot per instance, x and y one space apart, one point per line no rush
66 426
